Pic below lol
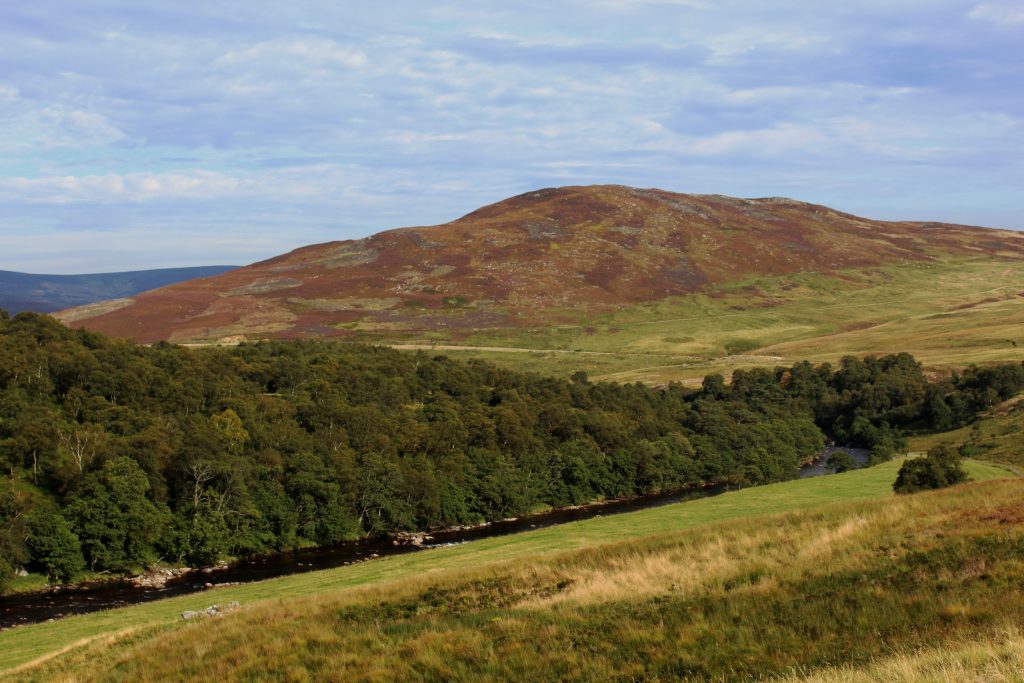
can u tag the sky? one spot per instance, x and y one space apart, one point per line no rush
165 133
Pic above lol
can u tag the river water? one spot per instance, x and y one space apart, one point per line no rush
29 608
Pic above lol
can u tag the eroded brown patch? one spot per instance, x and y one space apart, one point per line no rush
1005 515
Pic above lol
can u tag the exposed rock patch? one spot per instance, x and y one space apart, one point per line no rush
356 253
158 578
211 611
544 230
263 286
410 538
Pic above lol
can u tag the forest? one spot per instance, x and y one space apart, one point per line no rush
117 456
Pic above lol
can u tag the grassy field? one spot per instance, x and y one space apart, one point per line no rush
998 656
947 313
142 637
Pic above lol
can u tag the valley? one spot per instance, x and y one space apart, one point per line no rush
30 603
562 348
650 341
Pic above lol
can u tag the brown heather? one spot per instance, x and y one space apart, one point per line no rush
535 259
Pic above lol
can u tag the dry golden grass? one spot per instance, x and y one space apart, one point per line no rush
998 658
700 563
947 313
93 310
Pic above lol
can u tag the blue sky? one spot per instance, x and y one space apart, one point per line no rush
159 133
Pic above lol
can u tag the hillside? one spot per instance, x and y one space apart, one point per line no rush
994 436
48 293
554 256
731 586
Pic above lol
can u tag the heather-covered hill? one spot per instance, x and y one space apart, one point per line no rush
531 260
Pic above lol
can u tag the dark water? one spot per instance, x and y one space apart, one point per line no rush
820 466
29 608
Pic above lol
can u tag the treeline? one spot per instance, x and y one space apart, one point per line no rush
116 456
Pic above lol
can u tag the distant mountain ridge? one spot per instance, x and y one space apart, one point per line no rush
521 261
48 293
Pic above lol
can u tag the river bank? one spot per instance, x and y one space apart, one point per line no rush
59 601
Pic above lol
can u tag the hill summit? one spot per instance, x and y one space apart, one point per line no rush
515 262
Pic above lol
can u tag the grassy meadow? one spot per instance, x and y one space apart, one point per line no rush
946 313
686 589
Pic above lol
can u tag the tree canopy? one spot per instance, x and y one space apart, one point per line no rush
126 454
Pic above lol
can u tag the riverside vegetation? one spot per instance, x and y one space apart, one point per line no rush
119 455
832 578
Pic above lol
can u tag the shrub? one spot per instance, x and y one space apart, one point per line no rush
840 461
943 466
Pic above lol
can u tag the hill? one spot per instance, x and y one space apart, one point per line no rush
48 293
686 590
552 257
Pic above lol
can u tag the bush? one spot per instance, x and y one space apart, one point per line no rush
943 466
840 461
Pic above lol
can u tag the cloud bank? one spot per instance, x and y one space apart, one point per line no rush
168 134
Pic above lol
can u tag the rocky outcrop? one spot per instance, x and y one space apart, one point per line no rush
410 538
158 578
211 611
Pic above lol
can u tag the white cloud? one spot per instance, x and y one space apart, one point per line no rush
113 187
56 127
999 12
308 116
784 138
625 5
324 183
316 51
132 248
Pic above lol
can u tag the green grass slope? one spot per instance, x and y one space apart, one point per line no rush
591 597
947 313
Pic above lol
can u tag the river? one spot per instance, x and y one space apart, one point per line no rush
29 608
